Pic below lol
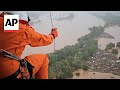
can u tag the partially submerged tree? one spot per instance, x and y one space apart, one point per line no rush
114 51
118 44
110 46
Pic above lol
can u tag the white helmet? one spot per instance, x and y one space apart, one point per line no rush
22 14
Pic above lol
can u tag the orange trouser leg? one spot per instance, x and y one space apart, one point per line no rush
40 63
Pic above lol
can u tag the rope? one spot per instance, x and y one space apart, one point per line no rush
51 19
52 26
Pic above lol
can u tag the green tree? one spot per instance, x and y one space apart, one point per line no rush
76 64
114 51
118 44
85 67
110 46
64 61
64 70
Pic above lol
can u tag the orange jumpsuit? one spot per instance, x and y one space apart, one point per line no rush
15 43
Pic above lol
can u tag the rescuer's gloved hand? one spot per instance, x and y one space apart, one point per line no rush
54 32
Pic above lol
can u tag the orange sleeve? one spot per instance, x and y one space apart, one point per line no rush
37 39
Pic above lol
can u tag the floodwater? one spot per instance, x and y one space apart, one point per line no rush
70 29
71 24
93 75
115 32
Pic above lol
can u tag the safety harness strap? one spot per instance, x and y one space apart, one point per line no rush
13 76
23 63
9 55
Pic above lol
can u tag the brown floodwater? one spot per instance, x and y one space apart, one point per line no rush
93 75
69 29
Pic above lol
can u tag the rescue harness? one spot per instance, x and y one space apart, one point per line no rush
23 64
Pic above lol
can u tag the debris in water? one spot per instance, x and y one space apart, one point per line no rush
77 74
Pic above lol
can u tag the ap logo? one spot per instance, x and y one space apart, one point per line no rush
11 23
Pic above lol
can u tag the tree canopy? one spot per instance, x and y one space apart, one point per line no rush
64 61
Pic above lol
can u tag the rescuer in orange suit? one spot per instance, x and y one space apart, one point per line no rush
15 43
